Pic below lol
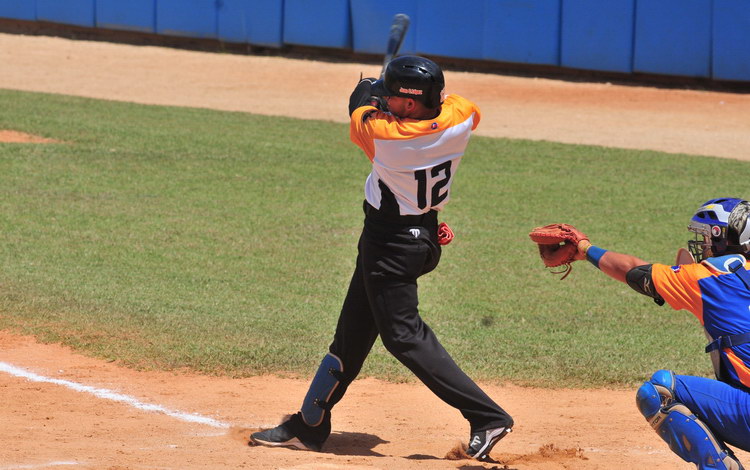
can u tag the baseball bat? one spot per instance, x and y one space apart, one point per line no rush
395 38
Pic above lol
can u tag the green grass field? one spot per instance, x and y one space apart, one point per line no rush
223 242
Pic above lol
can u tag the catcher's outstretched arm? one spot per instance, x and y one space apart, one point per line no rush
613 264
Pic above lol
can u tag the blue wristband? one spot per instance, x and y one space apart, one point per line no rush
594 254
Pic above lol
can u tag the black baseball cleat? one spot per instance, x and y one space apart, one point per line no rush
482 442
282 436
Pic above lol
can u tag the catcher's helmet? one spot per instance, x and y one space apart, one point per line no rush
721 226
414 77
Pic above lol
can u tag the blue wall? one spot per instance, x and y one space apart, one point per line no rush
450 28
322 23
18 10
673 37
598 35
371 22
256 22
75 12
731 54
191 18
691 38
523 31
133 15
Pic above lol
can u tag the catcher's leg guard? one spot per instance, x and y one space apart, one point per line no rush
686 435
658 392
328 377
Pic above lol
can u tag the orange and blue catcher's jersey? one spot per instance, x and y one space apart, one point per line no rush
720 301
415 159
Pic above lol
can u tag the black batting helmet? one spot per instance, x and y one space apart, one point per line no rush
414 77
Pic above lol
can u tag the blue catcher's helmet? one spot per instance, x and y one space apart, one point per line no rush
720 226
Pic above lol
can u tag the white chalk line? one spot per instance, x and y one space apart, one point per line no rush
113 396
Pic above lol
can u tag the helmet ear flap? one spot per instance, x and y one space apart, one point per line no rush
719 245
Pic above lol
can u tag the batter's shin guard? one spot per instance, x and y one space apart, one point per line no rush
325 382
686 435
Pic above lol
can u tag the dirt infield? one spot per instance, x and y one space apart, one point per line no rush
378 425
694 122
64 410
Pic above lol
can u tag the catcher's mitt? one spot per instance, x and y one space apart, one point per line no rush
558 245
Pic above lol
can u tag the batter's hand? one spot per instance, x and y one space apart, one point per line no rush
379 103
362 95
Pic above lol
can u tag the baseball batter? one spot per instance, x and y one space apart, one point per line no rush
697 416
415 138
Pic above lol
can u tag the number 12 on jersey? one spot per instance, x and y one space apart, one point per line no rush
435 196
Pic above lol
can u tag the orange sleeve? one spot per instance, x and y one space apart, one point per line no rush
359 133
478 115
678 286
463 108
368 123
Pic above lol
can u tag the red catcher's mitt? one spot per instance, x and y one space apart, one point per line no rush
558 245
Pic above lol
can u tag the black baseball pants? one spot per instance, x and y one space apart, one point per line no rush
382 300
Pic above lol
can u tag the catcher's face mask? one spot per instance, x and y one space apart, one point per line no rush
700 246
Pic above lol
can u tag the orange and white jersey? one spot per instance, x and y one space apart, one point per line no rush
414 159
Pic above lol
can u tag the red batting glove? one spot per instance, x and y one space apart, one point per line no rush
445 234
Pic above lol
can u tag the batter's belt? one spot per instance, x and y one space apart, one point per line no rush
426 219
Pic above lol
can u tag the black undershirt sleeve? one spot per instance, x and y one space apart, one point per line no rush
639 279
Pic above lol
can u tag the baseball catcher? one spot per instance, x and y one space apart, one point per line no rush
698 417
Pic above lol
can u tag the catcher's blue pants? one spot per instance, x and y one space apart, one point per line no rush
723 408
382 300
